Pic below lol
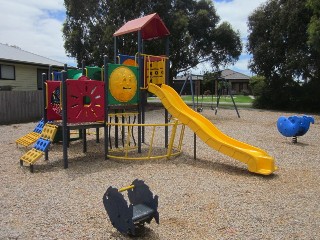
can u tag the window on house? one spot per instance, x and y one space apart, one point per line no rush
7 72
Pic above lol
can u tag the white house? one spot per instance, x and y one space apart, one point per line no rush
21 70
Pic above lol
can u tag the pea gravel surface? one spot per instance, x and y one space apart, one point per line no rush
212 197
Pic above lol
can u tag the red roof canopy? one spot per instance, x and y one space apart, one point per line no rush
151 26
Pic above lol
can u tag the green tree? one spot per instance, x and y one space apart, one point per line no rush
196 35
314 25
278 42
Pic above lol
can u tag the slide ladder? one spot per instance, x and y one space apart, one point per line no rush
257 160
41 146
32 137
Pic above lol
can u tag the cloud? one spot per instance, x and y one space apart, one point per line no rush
236 12
34 26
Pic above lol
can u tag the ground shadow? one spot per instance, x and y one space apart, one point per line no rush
141 233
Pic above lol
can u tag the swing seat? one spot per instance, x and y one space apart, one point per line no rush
141 212
142 207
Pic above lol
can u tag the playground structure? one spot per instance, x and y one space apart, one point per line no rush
142 208
117 103
294 126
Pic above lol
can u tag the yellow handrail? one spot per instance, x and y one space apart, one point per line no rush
126 188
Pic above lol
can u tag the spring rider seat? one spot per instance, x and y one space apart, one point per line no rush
142 208
294 126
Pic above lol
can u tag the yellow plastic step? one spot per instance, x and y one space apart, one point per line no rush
28 139
49 131
32 156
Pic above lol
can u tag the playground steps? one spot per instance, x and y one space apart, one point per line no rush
32 137
41 146
28 139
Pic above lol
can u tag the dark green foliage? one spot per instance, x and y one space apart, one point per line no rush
280 46
314 25
195 36
256 84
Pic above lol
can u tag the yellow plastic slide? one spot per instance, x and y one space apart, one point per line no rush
258 160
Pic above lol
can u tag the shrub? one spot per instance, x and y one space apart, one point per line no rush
257 84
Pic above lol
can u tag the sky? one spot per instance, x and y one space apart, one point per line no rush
36 26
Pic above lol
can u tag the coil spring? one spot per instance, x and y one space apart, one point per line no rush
294 139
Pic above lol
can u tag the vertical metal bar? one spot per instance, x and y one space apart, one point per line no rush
106 107
44 98
44 101
97 135
116 129
123 130
84 140
143 97
141 84
83 67
64 120
114 49
166 114
49 73
194 146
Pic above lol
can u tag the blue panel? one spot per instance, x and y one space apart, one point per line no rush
125 57
39 127
42 144
57 76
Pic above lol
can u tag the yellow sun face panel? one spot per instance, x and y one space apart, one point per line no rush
123 84
32 156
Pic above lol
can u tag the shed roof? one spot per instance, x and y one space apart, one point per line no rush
151 27
13 54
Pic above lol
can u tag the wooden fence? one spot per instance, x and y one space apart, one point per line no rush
20 106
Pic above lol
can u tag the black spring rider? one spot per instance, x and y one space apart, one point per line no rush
142 208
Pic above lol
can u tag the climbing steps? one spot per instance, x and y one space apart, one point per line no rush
41 146
32 137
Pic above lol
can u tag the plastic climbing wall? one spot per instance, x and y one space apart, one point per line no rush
154 70
85 101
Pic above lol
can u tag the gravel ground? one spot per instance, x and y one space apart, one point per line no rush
213 197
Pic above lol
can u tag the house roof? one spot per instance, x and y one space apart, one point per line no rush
233 75
16 55
151 27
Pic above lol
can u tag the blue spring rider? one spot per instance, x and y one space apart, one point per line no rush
294 126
